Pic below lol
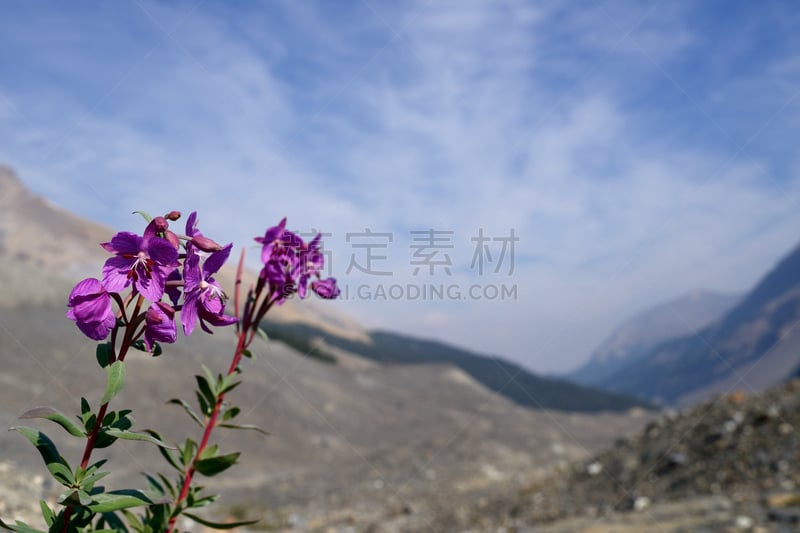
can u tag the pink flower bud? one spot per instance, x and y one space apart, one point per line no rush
173 215
205 244
160 224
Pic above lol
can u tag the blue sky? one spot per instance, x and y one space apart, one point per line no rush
637 149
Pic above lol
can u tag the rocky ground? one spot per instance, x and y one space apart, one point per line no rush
725 466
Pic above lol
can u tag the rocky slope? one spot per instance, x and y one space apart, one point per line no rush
725 465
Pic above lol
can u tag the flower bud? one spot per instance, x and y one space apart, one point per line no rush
205 244
173 215
160 224
173 239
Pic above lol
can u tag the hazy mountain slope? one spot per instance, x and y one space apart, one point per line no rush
638 335
496 374
753 346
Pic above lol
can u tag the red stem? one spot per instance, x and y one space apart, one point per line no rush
243 342
101 413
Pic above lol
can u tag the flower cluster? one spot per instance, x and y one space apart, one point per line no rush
160 265
290 263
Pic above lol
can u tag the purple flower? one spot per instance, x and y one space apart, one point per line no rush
203 298
197 238
144 261
325 288
272 238
159 325
310 263
90 307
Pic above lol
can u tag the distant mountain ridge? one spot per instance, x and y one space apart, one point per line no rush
496 374
638 335
753 346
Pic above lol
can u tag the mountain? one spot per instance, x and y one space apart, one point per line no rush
638 335
753 346
354 441
496 374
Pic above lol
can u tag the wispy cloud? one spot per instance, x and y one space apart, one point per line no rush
638 150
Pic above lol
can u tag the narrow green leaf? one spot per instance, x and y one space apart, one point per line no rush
20 527
205 388
133 520
47 513
88 482
103 354
204 407
157 350
189 410
166 453
251 427
74 498
132 435
116 380
124 499
209 452
147 218
210 376
62 474
56 464
140 345
56 416
214 465
219 525
187 452
231 413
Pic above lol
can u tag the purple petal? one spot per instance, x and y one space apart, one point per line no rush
115 273
162 252
151 288
326 288
189 313
191 224
124 242
191 272
215 261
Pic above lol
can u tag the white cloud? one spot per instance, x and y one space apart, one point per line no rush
493 115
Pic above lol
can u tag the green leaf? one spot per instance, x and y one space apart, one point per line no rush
88 482
189 410
204 407
227 384
231 413
219 525
21 527
187 452
132 435
251 427
116 380
56 464
124 499
156 349
168 456
56 416
205 388
140 345
214 465
47 513
103 354
74 498
145 216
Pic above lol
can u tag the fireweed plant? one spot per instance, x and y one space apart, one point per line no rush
147 282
